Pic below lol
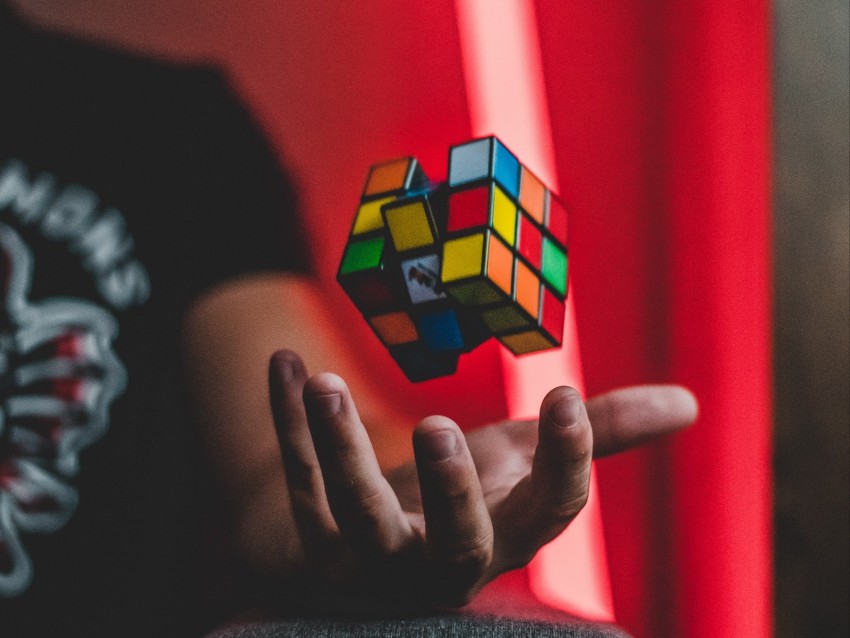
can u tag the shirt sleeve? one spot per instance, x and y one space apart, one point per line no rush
242 211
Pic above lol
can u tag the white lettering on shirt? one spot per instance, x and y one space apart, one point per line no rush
72 214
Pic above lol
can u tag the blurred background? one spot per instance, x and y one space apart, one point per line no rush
811 237
811 178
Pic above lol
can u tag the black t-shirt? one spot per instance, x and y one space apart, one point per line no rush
127 187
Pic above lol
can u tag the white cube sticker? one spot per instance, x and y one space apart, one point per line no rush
422 277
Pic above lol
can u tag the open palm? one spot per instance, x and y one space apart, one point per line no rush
471 507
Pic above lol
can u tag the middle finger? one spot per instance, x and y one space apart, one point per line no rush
362 502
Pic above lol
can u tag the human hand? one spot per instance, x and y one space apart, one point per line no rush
470 508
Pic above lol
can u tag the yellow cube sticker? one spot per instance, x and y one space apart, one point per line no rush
526 342
463 257
504 216
409 227
369 216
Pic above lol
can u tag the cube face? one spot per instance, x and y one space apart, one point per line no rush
527 290
554 266
371 291
421 364
476 294
463 258
484 159
552 315
557 222
441 331
506 169
500 265
436 270
526 342
478 269
469 208
369 216
505 216
410 224
362 255
533 196
505 319
422 278
530 242
394 328
387 177
470 162
396 176
483 207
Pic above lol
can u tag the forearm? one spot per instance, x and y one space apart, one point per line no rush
229 335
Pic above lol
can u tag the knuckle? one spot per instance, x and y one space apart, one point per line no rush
303 476
337 447
368 499
363 504
472 559
302 500
566 510
363 517
454 497
461 569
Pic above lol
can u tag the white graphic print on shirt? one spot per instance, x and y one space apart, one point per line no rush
58 377
72 216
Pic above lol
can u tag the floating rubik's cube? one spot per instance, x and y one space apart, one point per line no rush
436 270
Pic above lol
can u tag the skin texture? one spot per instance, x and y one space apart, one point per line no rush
322 497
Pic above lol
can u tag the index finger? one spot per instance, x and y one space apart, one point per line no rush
622 419
310 509
362 502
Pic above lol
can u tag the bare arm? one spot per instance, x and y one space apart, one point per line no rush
228 336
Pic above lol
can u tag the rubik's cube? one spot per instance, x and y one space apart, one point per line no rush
437 269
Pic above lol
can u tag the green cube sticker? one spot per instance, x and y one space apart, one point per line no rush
554 266
362 255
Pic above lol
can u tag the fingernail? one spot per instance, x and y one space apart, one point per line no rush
287 364
285 369
566 412
439 445
324 406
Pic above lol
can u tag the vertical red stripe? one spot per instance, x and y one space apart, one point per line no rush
720 294
662 109
507 97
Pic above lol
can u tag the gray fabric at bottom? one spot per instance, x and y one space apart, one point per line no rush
425 627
